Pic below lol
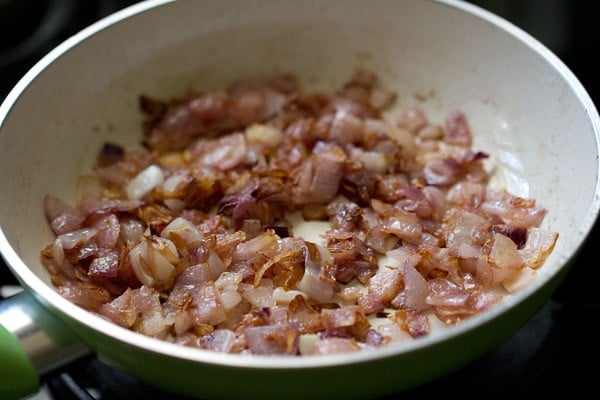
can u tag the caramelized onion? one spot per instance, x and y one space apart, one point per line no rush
194 239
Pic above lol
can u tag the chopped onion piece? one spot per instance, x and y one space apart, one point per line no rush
144 182
265 134
281 295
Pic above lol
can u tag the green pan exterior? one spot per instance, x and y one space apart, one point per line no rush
15 368
349 381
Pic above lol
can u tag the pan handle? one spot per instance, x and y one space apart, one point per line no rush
32 342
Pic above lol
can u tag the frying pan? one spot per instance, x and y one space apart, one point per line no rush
525 107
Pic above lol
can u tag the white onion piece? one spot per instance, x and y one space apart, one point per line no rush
152 261
466 193
144 182
462 228
307 343
174 204
229 297
132 230
415 292
265 134
170 187
393 332
121 310
402 136
270 339
137 258
538 246
228 279
466 250
520 280
172 183
311 282
404 229
222 340
261 296
207 307
63 218
216 265
374 161
352 293
76 238
404 256
282 296
504 253
248 249
227 287
153 323
108 231
162 268
182 233
346 128
505 260
182 322
84 294
223 153
326 178
342 317
436 198
335 345
386 283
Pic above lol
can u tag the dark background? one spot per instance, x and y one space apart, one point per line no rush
554 355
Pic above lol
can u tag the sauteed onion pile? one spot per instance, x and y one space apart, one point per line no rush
205 236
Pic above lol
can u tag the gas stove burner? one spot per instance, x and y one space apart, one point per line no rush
31 25
32 28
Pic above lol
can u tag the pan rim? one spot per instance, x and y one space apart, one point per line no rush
97 324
